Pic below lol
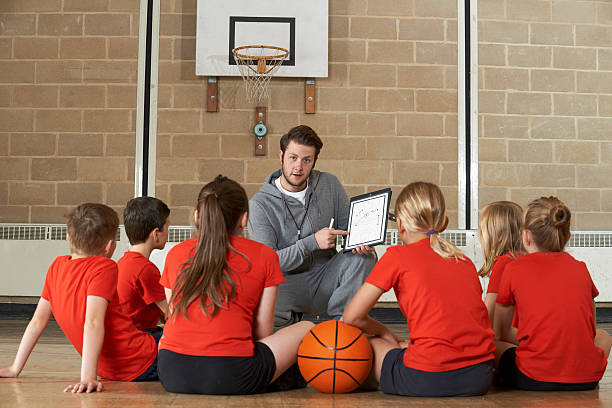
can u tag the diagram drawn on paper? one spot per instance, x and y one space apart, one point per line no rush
367 220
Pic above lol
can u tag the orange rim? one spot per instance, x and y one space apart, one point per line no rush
282 54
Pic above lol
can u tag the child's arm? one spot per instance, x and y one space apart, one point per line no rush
356 314
163 306
168 297
30 338
93 339
489 301
263 324
503 324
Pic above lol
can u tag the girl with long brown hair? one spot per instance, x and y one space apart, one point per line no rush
222 291
450 349
559 348
499 232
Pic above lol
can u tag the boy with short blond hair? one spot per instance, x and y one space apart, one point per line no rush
142 296
81 292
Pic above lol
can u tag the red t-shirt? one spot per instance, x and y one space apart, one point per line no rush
499 264
552 294
127 352
441 299
139 288
230 331
497 272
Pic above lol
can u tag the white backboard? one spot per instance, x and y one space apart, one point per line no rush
299 26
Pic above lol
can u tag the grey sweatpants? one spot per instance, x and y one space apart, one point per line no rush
326 287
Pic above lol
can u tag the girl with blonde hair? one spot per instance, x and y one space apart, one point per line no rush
559 348
222 288
450 349
499 232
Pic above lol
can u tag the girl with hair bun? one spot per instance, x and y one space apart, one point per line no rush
450 349
221 290
499 232
552 294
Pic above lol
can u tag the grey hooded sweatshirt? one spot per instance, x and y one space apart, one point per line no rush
274 220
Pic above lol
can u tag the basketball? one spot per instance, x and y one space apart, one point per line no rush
335 357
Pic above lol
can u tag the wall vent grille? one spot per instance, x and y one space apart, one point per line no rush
179 233
590 239
57 232
37 232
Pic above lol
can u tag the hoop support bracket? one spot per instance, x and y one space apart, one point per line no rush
260 130
212 95
309 95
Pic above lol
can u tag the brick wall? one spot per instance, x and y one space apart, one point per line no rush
68 73
545 104
387 113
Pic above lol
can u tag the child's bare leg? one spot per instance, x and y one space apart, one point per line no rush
604 341
380 348
284 345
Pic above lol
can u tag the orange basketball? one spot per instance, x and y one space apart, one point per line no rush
335 357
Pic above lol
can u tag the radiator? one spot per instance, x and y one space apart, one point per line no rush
27 250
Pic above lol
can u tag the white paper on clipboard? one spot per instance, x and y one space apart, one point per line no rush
368 219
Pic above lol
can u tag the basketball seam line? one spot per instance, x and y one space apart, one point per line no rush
335 353
334 348
334 370
332 358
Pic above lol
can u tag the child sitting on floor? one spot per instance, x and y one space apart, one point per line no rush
450 350
81 291
552 294
499 232
140 293
222 288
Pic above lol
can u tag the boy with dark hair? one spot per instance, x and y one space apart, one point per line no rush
81 291
142 296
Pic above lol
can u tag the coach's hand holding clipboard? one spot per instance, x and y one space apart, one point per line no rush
368 217
326 238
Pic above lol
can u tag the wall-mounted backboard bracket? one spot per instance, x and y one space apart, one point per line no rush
309 94
260 130
212 95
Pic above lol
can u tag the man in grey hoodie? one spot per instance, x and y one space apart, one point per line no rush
291 213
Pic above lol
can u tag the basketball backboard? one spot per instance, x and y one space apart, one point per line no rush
299 26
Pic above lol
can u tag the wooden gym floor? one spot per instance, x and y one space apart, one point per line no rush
54 364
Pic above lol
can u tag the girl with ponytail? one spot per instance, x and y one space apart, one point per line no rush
222 291
552 294
450 349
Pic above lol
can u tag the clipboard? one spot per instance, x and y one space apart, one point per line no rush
368 215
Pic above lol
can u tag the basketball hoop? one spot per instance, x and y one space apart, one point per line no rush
257 64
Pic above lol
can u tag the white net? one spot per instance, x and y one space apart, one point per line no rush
257 64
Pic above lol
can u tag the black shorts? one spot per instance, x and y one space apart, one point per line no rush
511 376
396 378
217 375
150 373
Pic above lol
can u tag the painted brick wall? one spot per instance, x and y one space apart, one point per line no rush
546 104
68 73
387 114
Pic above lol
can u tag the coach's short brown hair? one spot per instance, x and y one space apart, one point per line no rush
90 227
303 135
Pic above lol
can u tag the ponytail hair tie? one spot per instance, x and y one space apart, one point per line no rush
211 193
431 232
